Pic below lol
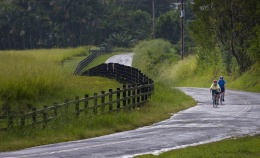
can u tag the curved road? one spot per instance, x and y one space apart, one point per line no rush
238 116
124 59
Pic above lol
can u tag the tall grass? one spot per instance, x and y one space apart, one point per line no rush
37 77
55 54
24 77
187 72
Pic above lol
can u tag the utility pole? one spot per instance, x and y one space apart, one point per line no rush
182 28
153 19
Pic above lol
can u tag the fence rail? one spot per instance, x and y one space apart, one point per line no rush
104 48
136 90
122 73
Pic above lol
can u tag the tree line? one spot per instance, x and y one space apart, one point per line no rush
231 26
29 24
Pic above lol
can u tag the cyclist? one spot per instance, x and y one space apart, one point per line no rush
215 89
222 85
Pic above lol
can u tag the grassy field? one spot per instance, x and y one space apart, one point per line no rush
38 77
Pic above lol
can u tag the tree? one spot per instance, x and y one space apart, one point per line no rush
227 24
168 27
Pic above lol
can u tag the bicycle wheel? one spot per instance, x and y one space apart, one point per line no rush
214 101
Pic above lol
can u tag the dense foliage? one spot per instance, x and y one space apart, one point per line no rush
27 24
232 28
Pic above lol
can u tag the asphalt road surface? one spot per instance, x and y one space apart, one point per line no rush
238 116
124 59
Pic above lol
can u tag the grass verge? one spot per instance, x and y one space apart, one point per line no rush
247 147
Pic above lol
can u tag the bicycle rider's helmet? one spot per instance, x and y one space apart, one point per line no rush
215 81
221 77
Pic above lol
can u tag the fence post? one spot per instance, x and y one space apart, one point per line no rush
77 105
138 97
22 118
55 110
110 100
129 100
142 89
118 97
124 95
44 114
146 89
103 102
86 103
95 104
34 115
133 94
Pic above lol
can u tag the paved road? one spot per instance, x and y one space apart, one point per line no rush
240 115
124 59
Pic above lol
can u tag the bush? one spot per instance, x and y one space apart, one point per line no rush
153 54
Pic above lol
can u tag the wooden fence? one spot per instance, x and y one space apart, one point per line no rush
93 55
122 73
128 97
139 90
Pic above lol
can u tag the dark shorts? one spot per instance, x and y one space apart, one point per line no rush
222 89
215 92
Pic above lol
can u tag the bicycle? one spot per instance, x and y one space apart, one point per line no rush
215 100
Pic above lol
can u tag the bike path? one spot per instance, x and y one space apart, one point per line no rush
238 116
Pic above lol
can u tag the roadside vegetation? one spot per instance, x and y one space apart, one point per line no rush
247 147
162 62
193 72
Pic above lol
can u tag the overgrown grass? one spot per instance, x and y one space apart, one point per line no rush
38 77
247 147
54 54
